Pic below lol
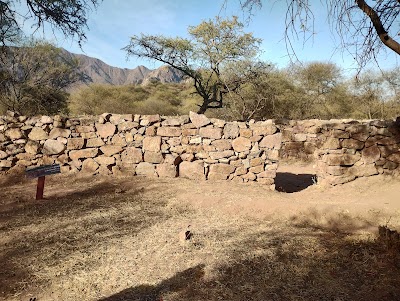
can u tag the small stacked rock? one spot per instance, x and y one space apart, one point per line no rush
193 146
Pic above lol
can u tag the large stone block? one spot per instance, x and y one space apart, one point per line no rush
371 154
213 133
127 126
153 157
272 141
3 155
220 171
37 134
83 153
152 144
110 150
105 130
352 144
220 155
58 132
264 129
332 143
89 166
149 119
198 120
103 160
341 159
247 133
14 133
394 157
132 155
169 131
166 170
241 144
231 130
222 145
94 142
364 170
175 121
32 147
118 140
84 129
192 170
75 143
53 147
146 169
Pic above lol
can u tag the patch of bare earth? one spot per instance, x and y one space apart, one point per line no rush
104 238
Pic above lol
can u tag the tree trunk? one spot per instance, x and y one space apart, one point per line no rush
203 108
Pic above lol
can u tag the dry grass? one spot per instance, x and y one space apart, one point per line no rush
119 240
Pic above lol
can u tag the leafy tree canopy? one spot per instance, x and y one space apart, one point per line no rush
203 56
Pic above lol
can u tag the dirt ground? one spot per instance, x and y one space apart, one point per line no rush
109 239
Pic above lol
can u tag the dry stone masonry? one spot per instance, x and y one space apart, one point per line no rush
193 146
352 149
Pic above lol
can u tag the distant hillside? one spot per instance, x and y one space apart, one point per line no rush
96 71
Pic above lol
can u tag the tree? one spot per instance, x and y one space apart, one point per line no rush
70 17
202 57
363 28
33 78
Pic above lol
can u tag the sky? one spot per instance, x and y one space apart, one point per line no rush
115 21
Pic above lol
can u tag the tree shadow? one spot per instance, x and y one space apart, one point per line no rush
181 281
290 183
301 264
73 221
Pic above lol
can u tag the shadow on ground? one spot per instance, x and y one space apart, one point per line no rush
46 232
306 264
289 182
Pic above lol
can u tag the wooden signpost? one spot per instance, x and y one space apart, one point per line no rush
40 173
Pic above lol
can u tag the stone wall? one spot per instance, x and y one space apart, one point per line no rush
300 138
351 149
191 146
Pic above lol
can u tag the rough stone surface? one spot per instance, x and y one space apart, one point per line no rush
132 155
110 150
58 132
153 157
89 166
32 147
272 141
83 153
38 134
152 144
146 169
102 160
231 130
94 142
198 120
371 154
192 170
169 131
166 170
14 133
213 133
53 147
241 144
105 130
220 171
75 143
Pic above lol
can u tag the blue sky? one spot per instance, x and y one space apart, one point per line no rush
116 20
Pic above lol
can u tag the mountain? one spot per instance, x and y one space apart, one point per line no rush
96 71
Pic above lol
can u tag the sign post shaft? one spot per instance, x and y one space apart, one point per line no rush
40 188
